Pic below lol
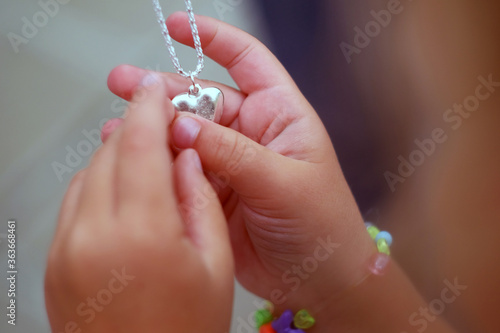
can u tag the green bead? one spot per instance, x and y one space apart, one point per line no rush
383 247
263 317
303 320
373 231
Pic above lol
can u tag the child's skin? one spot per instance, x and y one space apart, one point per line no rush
285 190
120 216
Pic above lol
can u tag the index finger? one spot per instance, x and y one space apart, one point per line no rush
251 65
143 171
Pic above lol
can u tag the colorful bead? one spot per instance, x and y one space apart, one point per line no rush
262 317
383 247
383 239
267 328
283 322
269 306
384 235
373 231
379 263
286 323
303 320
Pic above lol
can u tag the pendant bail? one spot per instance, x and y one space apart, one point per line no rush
195 88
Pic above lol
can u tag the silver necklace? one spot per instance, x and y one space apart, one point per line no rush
208 102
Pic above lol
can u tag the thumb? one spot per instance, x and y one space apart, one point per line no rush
233 158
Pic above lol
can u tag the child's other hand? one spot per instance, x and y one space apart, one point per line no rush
297 234
125 258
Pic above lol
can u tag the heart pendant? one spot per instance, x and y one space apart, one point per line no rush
207 103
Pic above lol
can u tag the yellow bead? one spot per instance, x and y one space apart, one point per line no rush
383 247
373 231
303 320
269 306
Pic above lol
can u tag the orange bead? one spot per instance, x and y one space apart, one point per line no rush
267 328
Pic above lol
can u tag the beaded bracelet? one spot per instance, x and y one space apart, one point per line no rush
286 323
383 239
290 323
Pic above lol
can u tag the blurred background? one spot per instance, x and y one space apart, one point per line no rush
379 73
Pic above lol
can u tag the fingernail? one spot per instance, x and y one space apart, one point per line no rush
109 127
197 161
185 132
151 79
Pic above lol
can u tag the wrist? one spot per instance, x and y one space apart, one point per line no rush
384 303
322 282
375 295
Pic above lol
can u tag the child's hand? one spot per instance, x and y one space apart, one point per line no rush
125 258
296 231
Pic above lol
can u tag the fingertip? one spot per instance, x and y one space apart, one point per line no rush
149 97
123 79
185 130
189 162
195 158
115 74
156 81
175 18
179 27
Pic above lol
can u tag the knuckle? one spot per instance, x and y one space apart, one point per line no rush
69 261
137 139
230 151
79 250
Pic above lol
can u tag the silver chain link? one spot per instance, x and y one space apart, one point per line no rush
170 46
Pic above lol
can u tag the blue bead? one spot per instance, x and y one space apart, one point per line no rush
384 235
